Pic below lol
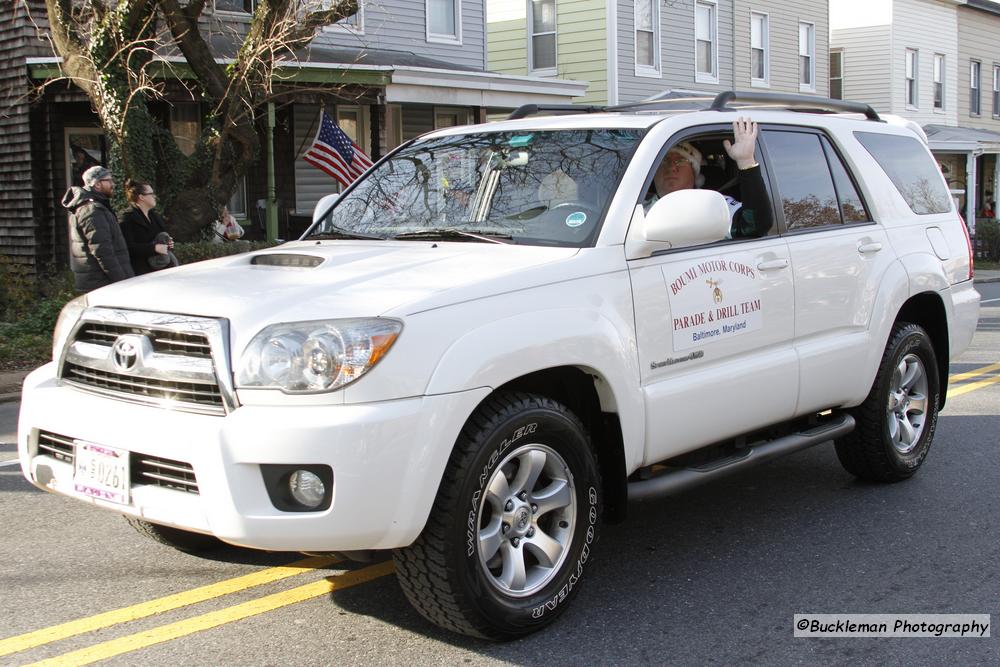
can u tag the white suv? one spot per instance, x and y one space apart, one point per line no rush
495 339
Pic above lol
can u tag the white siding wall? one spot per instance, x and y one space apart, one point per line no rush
866 64
979 39
930 27
783 18
677 50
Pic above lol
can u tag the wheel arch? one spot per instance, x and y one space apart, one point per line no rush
927 310
590 398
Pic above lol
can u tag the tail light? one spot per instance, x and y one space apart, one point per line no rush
968 243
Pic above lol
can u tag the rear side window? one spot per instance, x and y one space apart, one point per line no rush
911 170
808 196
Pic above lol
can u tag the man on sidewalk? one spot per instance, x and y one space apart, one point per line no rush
98 253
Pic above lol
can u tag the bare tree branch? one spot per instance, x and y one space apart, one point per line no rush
184 29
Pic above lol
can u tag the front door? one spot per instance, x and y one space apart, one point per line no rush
714 327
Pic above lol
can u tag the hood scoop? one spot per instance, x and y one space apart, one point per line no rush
287 259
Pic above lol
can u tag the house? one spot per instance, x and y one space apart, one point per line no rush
629 50
396 69
928 61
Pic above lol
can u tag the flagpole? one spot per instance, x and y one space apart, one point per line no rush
271 211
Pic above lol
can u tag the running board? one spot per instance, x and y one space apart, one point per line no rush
681 479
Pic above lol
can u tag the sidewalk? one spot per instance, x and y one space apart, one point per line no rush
987 276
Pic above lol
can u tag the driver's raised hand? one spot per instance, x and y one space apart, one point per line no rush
741 150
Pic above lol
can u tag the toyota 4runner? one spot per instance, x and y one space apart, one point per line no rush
496 338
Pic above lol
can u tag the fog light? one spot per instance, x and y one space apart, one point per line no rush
307 488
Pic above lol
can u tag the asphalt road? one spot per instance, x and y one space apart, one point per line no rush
711 577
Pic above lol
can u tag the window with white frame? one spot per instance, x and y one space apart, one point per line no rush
996 91
807 57
938 82
705 34
356 21
975 69
444 20
912 69
241 6
837 74
542 27
759 49
647 37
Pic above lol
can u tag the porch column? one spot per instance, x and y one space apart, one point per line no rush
970 192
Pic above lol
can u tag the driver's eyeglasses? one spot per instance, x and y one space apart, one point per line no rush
675 162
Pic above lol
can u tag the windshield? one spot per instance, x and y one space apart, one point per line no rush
529 187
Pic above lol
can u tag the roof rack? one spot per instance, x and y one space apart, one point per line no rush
791 101
531 109
720 102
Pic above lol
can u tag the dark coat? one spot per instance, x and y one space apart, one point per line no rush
98 254
140 236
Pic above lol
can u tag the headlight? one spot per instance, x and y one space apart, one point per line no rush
313 357
68 318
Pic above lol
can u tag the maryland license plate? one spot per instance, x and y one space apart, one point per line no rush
101 472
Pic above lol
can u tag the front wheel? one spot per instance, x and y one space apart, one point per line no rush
896 423
512 527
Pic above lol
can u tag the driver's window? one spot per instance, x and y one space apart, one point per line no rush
702 162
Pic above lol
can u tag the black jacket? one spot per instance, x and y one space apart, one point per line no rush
140 236
98 254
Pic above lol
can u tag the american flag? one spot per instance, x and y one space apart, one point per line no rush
333 152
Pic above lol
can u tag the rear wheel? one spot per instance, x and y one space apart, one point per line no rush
896 423
182 540
512 527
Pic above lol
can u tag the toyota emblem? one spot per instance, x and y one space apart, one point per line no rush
124 354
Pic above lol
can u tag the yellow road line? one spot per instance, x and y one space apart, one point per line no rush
213 619
168 603
958 377
972 386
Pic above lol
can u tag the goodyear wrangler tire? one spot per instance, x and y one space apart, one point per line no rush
182 540
512 528
896 423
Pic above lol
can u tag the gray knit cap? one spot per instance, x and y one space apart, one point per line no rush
95 174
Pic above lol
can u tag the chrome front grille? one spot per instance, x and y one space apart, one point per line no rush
163 391
169 361
164 342
145 469
163 472
57 446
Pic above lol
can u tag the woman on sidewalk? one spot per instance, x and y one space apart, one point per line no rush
145 231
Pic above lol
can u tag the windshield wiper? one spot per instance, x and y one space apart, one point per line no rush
338 233
451 233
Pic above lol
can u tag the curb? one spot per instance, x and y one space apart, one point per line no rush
7 398
986 280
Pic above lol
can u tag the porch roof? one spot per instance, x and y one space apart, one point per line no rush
405 77
948 138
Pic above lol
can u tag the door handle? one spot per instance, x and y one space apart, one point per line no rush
772 264
865 248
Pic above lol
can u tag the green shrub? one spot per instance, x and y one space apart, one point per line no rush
198 251
29 308
988 239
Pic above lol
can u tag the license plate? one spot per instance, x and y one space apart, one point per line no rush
101 472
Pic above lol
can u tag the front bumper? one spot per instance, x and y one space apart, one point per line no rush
387 460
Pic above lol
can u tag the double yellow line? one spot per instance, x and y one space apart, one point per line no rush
163 633
972 386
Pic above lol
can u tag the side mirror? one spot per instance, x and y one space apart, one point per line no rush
323 205
681 218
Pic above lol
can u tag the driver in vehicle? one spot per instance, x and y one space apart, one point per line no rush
681 170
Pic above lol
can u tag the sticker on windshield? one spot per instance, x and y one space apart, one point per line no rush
576 219
520 140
